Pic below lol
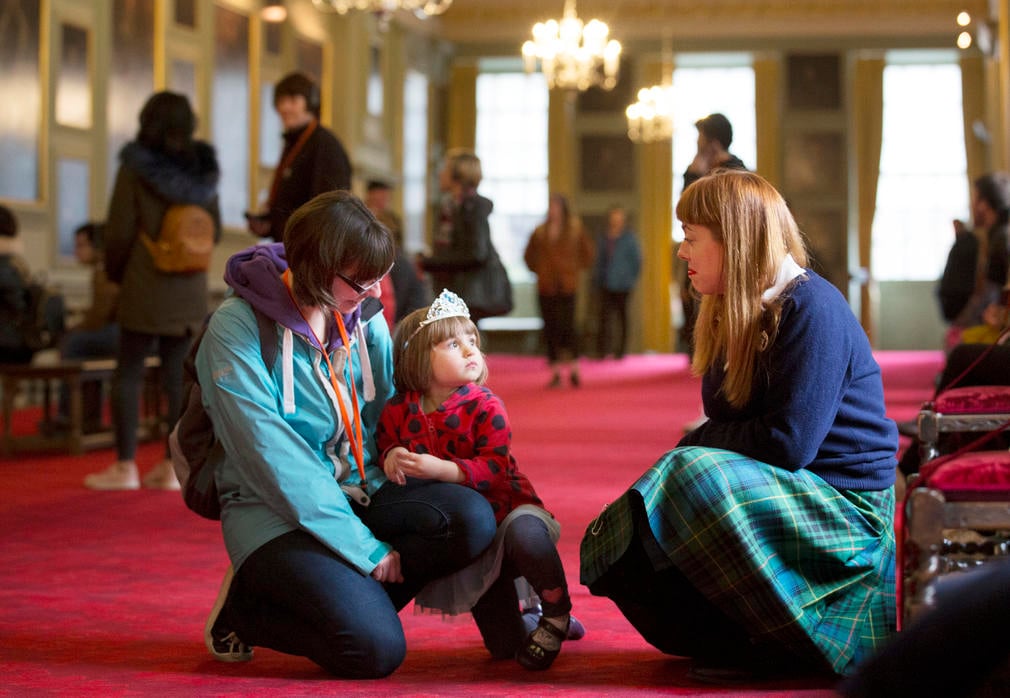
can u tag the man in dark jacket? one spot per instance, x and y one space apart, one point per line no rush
715 134
313 160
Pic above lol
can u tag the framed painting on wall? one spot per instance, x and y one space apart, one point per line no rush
814 163
185 13
826 237
814 81
607 163
596 99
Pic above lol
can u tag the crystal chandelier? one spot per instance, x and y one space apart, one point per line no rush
650 119
573 55
421 8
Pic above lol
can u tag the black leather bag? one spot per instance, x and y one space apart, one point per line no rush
487 290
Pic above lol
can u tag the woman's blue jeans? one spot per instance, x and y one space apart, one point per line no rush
297 596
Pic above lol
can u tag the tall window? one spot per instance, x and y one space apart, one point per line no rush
512 147
922 186
702 85
415 158
231 93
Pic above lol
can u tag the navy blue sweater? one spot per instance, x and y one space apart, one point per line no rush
818 399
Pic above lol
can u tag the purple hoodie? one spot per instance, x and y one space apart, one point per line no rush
255 276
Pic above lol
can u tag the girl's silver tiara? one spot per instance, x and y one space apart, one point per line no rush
448 304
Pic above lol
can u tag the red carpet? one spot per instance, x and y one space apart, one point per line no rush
105 594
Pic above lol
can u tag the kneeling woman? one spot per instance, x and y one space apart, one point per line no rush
764 541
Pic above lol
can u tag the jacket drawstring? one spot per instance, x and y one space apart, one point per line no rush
366 364
288 371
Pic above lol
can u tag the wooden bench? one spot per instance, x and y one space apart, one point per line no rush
14 377
511 335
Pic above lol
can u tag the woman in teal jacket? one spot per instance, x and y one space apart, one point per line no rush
324 553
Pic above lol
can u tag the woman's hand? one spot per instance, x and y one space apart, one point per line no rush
391 465
388 569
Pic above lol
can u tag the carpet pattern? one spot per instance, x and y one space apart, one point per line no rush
106 593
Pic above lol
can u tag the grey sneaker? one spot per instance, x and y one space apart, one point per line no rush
222 642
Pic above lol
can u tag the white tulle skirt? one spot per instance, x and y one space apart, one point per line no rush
459 592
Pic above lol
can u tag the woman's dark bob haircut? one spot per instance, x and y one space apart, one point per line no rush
334 233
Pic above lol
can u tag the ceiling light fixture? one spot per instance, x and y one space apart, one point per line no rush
274 11
650 119
573 55
384 8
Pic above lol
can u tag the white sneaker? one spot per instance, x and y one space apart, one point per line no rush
161 477
121 475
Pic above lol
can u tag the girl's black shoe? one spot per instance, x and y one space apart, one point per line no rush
533 655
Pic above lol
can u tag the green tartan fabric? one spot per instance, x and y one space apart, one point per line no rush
796 562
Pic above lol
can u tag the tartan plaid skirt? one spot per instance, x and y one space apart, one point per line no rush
794 561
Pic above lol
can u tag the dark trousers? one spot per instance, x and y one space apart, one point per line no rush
667 610
297 596
613 323
437 527
959 648
529 553
128 378
558 312
79 345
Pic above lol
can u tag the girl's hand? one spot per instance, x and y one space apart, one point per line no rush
421 465
391 465
388 569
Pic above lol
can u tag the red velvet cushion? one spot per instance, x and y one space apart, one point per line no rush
974 400
984 472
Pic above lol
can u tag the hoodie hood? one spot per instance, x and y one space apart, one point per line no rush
254 274
172 178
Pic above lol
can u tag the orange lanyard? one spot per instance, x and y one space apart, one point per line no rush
353 426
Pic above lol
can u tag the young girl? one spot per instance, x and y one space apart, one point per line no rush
443 424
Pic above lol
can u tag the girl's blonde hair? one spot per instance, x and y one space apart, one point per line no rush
752 222
412 352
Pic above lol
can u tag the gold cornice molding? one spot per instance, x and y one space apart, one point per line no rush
491 21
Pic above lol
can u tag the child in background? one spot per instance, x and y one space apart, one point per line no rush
443 424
